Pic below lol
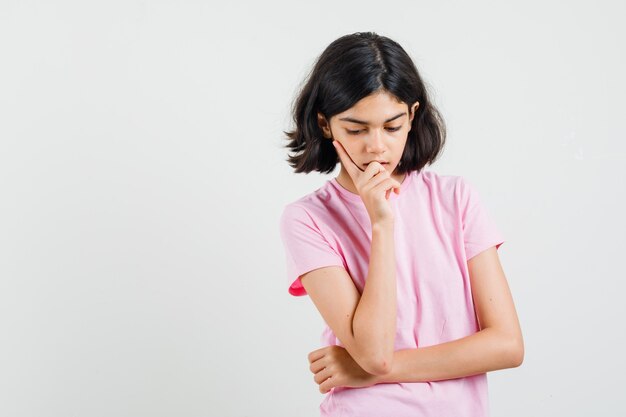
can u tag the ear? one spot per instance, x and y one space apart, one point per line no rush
323 124
413 110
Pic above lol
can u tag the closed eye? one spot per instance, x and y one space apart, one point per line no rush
356 132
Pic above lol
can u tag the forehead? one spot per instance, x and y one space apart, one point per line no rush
375 108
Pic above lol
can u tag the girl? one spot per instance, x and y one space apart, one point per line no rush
401 262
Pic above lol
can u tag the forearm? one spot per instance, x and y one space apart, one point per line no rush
484 351
374 320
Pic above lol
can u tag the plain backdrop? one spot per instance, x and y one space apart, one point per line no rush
143 173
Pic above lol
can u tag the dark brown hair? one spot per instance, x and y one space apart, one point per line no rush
351 68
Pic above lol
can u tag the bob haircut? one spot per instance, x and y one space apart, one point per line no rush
351 68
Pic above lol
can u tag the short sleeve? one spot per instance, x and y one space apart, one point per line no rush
479 229
306 248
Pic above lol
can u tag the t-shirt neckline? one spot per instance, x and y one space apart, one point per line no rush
356 198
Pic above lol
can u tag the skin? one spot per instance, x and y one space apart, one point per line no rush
375 140
374 184
498 344
373 316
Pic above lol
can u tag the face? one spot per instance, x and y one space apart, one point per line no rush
374 129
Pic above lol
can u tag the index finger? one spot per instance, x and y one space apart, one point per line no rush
317 354
353 169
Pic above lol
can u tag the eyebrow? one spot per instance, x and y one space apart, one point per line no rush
350 119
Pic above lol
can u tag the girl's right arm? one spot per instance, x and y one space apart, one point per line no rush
366 323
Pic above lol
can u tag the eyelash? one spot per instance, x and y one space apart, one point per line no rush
356 132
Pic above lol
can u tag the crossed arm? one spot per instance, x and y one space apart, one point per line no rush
498 344
484 351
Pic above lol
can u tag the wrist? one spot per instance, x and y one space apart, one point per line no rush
383 225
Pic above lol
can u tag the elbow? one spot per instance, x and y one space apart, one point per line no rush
381 366
375 359
516 353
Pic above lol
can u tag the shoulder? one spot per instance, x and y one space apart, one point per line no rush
447 187
310 208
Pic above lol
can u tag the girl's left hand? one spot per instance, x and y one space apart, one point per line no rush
334 367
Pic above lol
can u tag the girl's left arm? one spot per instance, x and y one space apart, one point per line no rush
498 345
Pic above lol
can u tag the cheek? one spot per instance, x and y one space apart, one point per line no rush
350 145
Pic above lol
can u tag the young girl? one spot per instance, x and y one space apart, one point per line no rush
401 262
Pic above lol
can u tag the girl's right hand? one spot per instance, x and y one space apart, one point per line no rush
374 186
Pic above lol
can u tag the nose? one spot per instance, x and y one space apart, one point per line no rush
375 143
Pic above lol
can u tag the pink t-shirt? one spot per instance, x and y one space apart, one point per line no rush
440 223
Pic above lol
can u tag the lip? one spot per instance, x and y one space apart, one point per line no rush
384 164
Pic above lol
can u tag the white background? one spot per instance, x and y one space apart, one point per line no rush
142 175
